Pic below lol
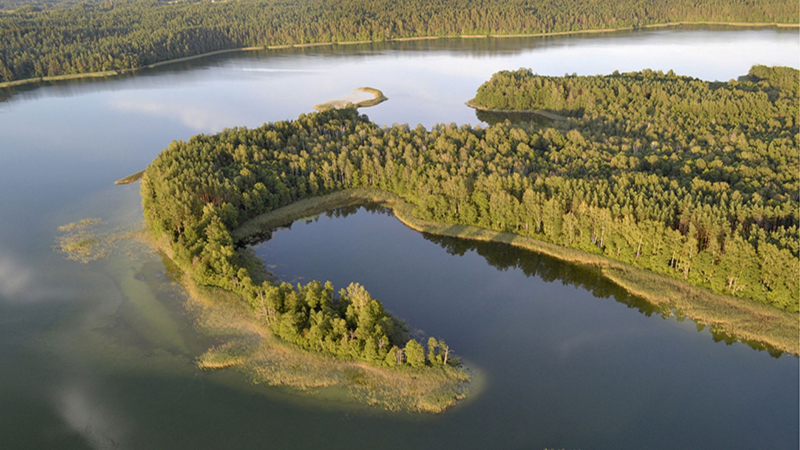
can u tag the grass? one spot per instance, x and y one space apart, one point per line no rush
741 318
247 345
377 99
131 178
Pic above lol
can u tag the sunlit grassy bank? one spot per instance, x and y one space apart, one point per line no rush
740 318
247 345
377 98
132 178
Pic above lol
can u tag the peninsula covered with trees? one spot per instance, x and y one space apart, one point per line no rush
690 180
704 174
69 38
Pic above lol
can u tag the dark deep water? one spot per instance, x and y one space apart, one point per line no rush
100 355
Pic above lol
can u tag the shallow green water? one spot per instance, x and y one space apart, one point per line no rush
101 355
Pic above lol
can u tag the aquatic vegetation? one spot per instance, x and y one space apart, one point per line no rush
83 241
90 239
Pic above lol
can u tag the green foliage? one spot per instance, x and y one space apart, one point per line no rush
697 182
415 354
98 36
702 175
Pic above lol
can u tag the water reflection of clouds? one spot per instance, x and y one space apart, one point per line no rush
14 278
194 117
19 284
577 345
99 427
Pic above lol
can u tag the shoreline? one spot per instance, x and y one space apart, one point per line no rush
538 112
743 319
132 178
246 345
116 72
377 99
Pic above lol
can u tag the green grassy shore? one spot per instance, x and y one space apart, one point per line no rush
244 343
377 99
737 317
132 178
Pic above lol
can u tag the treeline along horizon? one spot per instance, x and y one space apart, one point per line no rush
657 172
123 35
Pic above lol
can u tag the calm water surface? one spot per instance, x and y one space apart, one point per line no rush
101 355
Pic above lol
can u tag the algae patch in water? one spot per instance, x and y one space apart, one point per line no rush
89 239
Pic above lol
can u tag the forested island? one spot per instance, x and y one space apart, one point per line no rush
62 38
680 190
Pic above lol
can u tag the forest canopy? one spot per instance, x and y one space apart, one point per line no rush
61 38
693 180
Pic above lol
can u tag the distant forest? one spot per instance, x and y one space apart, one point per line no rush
690 179
50 38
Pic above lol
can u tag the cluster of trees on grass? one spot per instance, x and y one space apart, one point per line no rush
704 196
715 162
98 36
351 325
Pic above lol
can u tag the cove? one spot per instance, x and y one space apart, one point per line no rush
560 347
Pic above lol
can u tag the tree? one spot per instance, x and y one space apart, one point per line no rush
415 354
433 357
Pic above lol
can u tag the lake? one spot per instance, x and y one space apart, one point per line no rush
100 355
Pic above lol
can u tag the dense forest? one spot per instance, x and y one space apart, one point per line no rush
714 163
127 34
693 180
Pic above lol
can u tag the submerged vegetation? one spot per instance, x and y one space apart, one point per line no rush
90 239
113 37
81 241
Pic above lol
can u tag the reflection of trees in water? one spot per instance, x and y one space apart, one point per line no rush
517 118
338 213
350 210
504 257
549 269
